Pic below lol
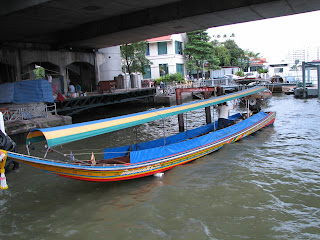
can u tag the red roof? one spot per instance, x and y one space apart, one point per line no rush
160 39
257 61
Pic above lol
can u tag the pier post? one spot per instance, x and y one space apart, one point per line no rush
206 90
207 109
180 116
304 80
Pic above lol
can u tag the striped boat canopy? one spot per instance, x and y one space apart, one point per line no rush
69 133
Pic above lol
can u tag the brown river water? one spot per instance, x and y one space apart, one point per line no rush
266 186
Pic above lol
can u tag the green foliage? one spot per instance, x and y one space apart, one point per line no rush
134 56
249 53
263 70
169 78
240 73
223 54
199 52
230 54
235 52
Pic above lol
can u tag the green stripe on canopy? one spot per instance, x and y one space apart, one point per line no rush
69 133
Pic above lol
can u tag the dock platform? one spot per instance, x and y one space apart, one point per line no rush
72 106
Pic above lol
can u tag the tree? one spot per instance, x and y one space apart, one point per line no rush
229 54
249 53
199 52
134 56
223 54
235 52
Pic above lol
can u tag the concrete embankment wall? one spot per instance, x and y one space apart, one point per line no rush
24 126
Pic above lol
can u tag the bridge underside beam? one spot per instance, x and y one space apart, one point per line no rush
104 23
177 17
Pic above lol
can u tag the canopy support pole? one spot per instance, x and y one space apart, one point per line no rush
214 120
164 133
45 155
187 125
136 137
248 108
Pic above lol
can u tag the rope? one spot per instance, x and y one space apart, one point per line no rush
79 154
65 155
163 124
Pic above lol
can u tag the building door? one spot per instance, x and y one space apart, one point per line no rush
163 69
180 68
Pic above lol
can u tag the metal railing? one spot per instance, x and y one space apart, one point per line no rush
170 89
28 112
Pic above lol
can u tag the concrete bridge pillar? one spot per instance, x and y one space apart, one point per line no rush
18 65
62 71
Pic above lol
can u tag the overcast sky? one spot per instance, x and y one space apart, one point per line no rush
273 38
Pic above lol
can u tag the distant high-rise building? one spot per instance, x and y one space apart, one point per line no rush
307 54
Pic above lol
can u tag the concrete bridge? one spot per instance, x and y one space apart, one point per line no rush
63 36
104 23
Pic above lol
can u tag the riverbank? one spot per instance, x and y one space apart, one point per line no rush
24 126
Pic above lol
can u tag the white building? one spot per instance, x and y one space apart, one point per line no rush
281 69
112 66
307 54
167 55
224 71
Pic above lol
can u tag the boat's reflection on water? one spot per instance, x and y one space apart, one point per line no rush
138 194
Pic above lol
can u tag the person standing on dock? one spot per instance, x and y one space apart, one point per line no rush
72 90
162 86
78 89
223 120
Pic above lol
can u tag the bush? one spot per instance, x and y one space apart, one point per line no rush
240 73
169 78
263 70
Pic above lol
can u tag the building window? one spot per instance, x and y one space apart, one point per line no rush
163 69
278 70
148 72
180 69
148 50
162 48
178 46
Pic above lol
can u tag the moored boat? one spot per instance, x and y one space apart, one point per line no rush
143 159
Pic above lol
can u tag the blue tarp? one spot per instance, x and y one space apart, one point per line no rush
28 91
6 93
160 152
124 150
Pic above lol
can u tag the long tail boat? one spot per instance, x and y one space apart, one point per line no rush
143 159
